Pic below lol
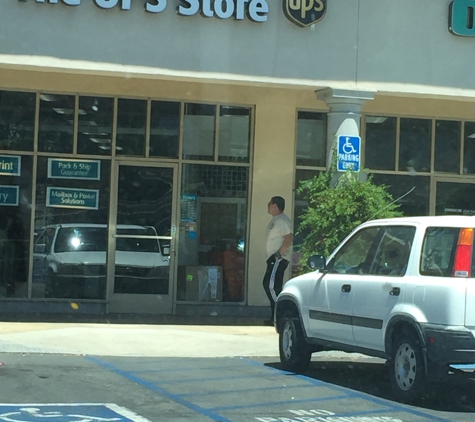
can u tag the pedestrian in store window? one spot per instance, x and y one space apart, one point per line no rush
279 238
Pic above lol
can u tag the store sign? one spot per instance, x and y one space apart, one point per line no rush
305 12
461 18
10 165
254 10
74 169
9 196
72 198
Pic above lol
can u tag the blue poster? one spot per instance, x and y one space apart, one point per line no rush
10 165
9 196
74 169
72 198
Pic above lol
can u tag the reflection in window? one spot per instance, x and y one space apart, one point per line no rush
164 129
415 141
199 132
234 134
410 192
81 239
95 125
144 208
447 146
131 124
212 233
56 125
15 234
469 149
437 258
74 279
354 257
311 139
455 198
17 120
380 146
393 250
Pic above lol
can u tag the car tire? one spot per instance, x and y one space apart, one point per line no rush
406 368
294 351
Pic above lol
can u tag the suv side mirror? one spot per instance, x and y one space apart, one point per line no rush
316 262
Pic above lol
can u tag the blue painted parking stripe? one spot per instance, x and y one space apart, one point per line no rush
367 397
163 392
181 368
190 380
212 412
273 403
238 390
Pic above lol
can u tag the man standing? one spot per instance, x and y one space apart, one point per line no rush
279 237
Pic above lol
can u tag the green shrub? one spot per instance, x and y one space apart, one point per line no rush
336 207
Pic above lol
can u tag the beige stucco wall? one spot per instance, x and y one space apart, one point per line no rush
272 172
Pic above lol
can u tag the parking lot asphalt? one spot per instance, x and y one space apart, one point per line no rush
170 372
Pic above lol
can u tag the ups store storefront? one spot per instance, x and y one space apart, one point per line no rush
140 141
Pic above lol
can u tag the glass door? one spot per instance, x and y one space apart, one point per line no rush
454 197
142 239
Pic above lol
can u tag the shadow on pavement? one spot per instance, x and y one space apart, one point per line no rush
455 395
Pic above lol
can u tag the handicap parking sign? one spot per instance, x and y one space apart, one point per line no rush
348 157
67 413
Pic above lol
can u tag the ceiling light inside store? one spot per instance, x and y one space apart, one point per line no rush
375 119
68 111
471 136
101 140
49 97
104 146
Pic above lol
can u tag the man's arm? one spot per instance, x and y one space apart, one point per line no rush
288 239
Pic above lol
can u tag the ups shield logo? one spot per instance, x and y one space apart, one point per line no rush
304 12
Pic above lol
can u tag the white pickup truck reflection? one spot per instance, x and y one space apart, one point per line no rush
70 261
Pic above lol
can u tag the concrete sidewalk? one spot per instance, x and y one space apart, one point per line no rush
138 340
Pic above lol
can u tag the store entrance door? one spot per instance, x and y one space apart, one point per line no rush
453 197
142 239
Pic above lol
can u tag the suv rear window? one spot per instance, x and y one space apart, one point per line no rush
438 251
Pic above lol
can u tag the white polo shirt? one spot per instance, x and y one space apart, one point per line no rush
279 227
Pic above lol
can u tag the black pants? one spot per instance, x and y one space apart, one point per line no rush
274 279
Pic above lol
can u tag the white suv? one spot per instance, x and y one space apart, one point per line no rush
402 289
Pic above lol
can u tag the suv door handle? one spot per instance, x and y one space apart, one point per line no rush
346 288
395 291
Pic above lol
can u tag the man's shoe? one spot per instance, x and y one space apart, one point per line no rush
269 322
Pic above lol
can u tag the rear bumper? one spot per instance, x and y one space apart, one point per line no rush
447 346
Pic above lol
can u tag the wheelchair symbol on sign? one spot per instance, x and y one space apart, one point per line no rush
29 414
348 147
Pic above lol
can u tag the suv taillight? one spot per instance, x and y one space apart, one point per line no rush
463 254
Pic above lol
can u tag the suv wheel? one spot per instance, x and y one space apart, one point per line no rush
407 367
294 352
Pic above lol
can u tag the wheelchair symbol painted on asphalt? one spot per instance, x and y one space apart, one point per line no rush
348 157
68 413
